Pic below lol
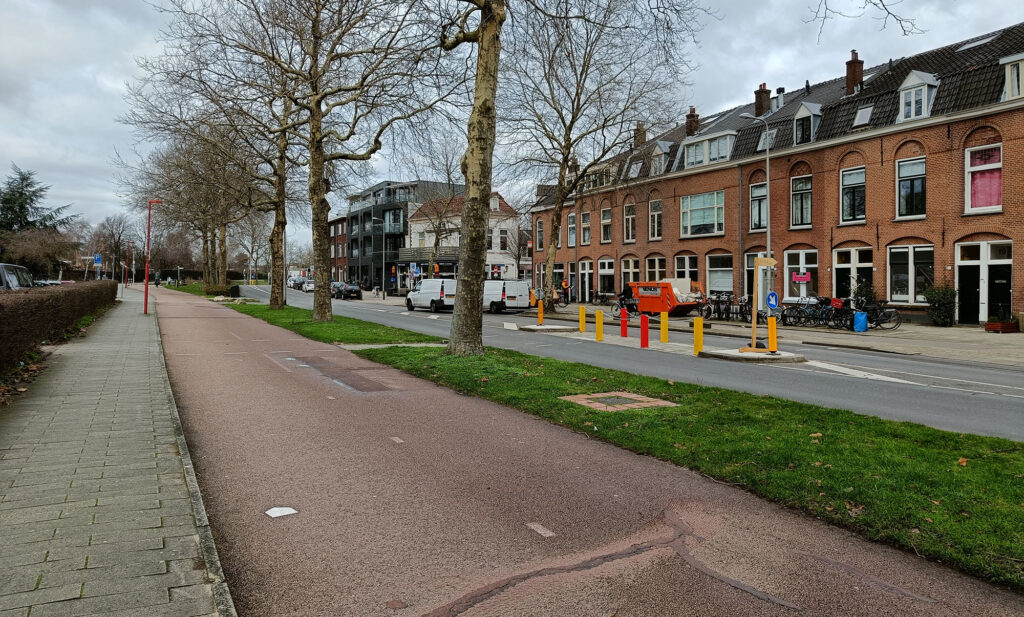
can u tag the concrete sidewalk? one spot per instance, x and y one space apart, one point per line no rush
100 513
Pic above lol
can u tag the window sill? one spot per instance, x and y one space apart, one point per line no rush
801 227
852 223
907 304
657 239
916 217
757 231
718 234
629 241
979 211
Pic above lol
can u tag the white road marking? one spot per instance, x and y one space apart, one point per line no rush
405 313
541 529
510 325
397 440
434 317
977 383
280 511
235 353
274 360
234 335
854 372
186 354
260 340
331 398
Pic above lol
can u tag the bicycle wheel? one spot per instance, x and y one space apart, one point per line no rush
825 316
889 319
790 316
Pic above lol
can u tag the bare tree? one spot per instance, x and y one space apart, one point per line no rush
114 233
580 76
883 9
252 234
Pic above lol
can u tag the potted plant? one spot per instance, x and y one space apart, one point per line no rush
1002 324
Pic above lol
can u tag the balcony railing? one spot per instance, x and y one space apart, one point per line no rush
421 254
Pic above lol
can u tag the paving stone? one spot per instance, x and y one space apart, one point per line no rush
96 517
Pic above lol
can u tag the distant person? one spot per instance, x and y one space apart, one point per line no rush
158 281
627 294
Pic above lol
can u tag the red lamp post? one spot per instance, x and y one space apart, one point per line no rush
145 286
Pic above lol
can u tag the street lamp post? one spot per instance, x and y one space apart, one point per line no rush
145 292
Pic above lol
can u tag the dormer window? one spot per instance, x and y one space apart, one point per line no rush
916 95
634 169
1014 88
805 123
720 148
695 154
657 162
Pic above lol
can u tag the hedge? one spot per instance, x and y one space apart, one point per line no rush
30 316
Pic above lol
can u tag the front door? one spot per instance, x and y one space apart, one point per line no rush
999 277
969 293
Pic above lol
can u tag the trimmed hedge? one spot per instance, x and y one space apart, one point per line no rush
30 316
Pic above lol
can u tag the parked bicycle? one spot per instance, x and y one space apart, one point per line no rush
631 306
601 299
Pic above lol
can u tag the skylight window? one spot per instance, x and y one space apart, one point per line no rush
975 43
767 139
635 169
863 116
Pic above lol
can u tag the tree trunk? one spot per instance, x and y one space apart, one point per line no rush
321 210
206 256
466 336
222 257
277 265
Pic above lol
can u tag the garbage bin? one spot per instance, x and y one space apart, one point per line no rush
234 291
860 321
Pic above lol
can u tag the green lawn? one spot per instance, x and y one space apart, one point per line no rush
191 288
955 498
341 330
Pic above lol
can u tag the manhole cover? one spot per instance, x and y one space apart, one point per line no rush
613 400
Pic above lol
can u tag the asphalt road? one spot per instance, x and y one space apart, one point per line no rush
980 398
413 500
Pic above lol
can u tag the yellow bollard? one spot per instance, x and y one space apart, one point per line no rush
540 312
583 319
773 341
698 335
599 326
664 327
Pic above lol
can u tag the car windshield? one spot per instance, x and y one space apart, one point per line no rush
24 278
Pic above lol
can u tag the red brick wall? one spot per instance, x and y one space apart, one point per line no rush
945 223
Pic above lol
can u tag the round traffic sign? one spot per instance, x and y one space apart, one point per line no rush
772 300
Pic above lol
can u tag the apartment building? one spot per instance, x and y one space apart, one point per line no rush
904 174
339 247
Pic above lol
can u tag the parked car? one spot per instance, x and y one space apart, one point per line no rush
347 291
297 282
13 276
503 295
307 285
435 294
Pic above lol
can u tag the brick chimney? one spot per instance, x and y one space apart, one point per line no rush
639 135
692 122
854 72
762 100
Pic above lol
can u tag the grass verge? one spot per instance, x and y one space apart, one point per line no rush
341 330
196 289
955 498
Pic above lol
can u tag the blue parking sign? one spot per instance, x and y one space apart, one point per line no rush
97 259
772 300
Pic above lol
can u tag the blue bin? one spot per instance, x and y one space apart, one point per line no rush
860 321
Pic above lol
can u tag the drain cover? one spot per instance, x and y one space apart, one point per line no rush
613 400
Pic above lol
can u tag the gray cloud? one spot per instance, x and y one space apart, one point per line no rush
64 63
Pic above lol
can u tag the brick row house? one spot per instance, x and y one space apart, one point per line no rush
904 175
339 247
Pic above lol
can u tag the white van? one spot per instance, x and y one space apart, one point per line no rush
503 295
434 294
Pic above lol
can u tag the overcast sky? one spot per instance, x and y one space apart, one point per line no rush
64 64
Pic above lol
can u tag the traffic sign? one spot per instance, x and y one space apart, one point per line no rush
772 300
97 259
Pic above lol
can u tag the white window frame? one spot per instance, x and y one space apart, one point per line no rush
767 137
605 267
912 291
854 264
842 186
503 239
657 164
918 95
585 228
606 224
710 271
762 207
628 224
863 116
653 273
793 193
968 170
570 224
810 129
630 271
692 150
800 268
689 265
684 215
724 146
539 245
900 178
654 220
1014 87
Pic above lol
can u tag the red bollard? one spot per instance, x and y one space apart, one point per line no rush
644 322
623 323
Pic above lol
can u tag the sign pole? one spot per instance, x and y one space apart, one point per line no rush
145 292
759 262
